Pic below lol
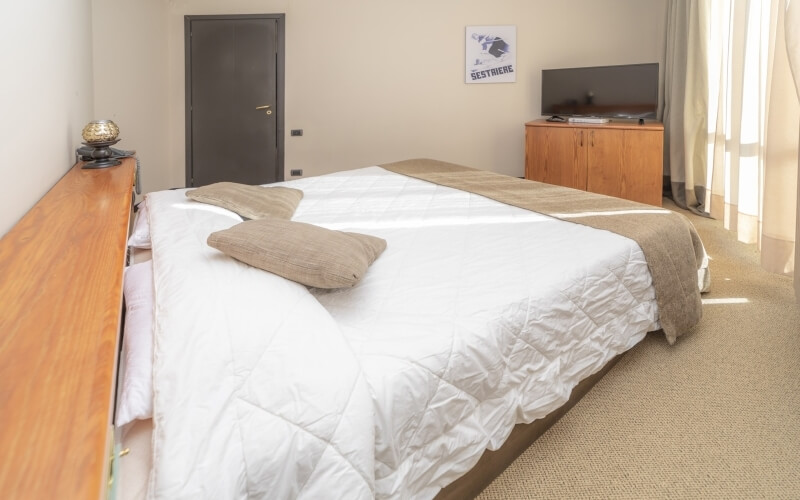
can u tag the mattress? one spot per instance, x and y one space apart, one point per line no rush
478 316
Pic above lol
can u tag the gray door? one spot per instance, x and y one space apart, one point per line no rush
234 99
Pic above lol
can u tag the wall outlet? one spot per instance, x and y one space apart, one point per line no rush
296 172
296 132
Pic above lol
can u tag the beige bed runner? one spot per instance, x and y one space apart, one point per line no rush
670 243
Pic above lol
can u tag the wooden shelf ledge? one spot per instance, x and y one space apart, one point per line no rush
61 273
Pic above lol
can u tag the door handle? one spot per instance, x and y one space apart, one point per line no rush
266 106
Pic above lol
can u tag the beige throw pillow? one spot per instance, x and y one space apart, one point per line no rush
251 202
307 254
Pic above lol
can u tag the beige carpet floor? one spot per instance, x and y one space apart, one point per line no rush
715 416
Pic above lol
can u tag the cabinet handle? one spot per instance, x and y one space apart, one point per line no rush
121 454
581 138
592 138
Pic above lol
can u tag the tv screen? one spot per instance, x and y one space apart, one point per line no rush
625 91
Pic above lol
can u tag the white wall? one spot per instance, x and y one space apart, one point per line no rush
377 81
46 88
130 79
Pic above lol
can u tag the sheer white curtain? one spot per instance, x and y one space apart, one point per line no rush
740 105
792 27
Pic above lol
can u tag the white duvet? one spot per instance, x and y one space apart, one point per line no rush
477 316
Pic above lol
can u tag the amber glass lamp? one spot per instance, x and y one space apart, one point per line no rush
99 136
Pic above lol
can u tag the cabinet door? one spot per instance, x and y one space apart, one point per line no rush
641 175
626 164
604 162
556 155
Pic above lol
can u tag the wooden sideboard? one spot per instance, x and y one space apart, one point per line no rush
61 271
622 159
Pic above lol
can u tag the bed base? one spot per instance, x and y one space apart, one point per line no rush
493 463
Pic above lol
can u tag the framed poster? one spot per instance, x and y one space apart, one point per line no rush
491 54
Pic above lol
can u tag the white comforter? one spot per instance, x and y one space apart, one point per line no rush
477 316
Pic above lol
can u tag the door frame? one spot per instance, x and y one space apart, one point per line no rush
279 82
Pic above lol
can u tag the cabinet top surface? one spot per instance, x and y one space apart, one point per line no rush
615 124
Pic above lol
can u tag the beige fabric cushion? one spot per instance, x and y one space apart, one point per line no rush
251 202
308 254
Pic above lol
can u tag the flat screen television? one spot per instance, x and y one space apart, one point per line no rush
623 91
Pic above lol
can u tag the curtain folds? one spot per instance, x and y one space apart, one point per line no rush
685 103
732 115
791 24
779 207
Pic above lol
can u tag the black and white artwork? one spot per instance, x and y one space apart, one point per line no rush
491 54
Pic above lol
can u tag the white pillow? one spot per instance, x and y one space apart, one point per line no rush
136 394
140 237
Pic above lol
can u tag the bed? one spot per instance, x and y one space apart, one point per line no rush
492 301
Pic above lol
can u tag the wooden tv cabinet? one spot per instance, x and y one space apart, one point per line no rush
618 158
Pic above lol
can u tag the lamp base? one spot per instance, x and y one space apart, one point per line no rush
102 163
99 155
